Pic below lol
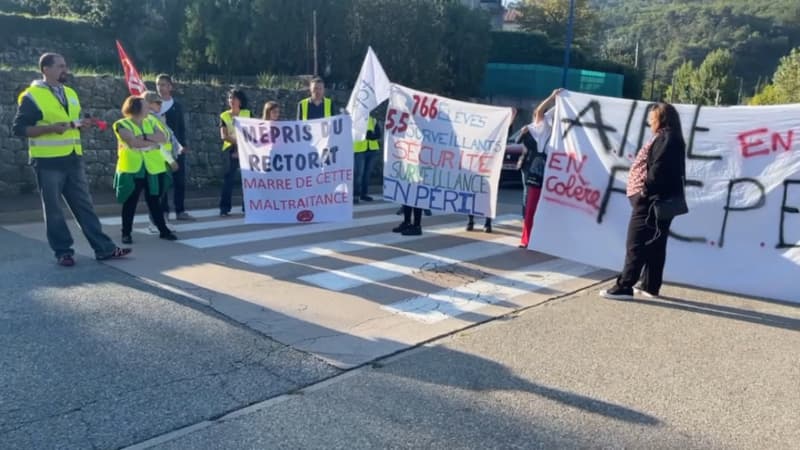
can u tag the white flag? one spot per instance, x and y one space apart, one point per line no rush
371 89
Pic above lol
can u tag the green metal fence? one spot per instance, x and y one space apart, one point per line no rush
537 81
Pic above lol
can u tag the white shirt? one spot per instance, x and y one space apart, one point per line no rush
165 106
541 131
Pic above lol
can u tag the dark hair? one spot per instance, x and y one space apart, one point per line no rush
668 119
268 107
316 80
238 93
165 77
666 116
132 106
47 60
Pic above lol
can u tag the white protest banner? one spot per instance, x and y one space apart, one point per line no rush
443 154
296 172
371 89
742 233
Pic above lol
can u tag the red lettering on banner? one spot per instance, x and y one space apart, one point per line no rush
760 142
569 187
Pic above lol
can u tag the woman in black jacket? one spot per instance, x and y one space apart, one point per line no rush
656 176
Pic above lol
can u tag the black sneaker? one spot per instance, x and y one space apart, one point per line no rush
638 290
366 198
355 200
470 226
412 230
169 236
617 293
487 228
428 212
401 227
127 239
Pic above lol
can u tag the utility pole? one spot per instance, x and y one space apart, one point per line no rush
653 79
636 56
568 43
741 85
316 60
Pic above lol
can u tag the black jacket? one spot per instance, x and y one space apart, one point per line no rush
666 166
175 122
531 161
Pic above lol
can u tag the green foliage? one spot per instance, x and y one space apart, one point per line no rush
787 78
757 33
767 96
550 17
785 87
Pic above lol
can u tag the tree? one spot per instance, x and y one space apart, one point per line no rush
713 81
683 81
787 78
785 86
551 17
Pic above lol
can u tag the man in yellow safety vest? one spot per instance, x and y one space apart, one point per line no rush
317 106
365 153
49 115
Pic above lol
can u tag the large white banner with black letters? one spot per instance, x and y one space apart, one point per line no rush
742 234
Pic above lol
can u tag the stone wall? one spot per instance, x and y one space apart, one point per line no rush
101 96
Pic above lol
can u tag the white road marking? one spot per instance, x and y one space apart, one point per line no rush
339 280
383 240
452 302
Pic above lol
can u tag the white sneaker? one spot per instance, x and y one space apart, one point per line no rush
639 291
152 229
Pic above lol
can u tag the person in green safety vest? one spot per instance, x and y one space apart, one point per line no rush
140 167
237 101
317 106
365 153
49 116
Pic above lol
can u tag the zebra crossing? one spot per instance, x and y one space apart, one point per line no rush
353 291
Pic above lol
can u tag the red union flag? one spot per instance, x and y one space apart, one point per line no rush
132 79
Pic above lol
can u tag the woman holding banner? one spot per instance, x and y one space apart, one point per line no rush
140 167
227 132
534 138
272 111
655 190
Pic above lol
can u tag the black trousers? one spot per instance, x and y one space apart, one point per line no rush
644 259
407 210
230 169
153 205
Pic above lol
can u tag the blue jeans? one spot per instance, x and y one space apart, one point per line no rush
69 181
363 163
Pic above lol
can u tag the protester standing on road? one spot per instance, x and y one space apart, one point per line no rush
534 138
317 106
364 154
272 111
140 167
407 227
49 115
154 103
656 175
237 101
172 111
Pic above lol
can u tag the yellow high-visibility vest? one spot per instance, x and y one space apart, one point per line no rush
327 104
54 145
367 144
227 119
130 160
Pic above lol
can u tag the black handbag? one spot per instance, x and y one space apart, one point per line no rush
671 207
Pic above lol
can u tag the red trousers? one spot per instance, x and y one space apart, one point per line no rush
530 211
